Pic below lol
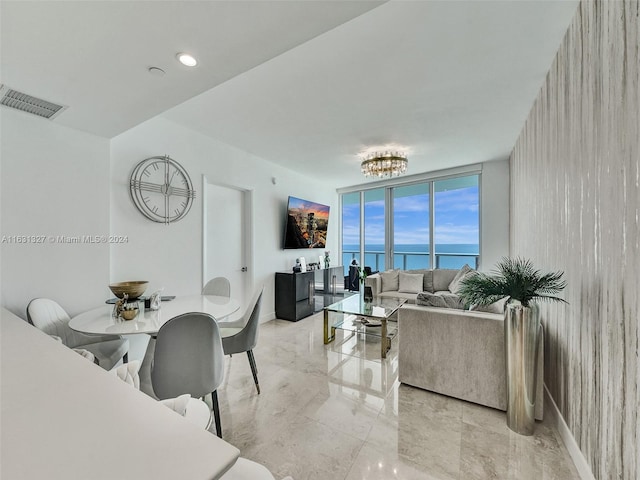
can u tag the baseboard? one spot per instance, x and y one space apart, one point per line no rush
267 317
567 438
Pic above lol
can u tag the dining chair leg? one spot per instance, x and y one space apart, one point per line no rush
254 369
216 412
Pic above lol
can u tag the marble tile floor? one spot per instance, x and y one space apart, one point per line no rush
338 412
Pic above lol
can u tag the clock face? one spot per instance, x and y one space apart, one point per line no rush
161 189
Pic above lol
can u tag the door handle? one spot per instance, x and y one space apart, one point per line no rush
243 269
312 293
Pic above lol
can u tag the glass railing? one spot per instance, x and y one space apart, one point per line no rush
411 260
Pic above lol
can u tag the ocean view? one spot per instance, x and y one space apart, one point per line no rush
414 256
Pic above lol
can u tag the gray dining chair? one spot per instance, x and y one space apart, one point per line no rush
218 286
189 358
48 316
242 335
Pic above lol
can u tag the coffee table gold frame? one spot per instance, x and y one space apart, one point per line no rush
385 341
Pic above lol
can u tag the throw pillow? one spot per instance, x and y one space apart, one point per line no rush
455 284
410 282
389 281
495 307
428 281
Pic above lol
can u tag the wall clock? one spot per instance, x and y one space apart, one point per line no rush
161 189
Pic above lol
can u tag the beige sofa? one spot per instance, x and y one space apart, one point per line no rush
434 281
452 351
458 353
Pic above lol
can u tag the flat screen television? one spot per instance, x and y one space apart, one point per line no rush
306 224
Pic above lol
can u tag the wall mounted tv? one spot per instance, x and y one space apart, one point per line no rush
306 224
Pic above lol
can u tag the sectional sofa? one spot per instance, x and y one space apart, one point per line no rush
451 351
408 284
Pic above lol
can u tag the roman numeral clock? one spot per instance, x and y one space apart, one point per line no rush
161 189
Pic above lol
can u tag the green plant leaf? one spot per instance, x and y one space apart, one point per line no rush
515 278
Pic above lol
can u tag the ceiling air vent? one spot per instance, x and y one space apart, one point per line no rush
27 103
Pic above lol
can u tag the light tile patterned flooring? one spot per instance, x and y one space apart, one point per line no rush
338 412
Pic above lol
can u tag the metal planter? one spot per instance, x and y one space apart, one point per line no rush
522 331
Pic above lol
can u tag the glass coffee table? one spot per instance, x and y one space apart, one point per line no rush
371 318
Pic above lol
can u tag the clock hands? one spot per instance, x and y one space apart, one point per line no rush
164 189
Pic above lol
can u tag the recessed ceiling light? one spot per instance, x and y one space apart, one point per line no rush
186 59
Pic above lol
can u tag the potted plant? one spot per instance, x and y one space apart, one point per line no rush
523 286
367 291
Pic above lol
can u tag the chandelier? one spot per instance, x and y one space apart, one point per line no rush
384 164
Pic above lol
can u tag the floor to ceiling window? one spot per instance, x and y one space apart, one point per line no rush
350 229
457 232
429 224
374 229
411 226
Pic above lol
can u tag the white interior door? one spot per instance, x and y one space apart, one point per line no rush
226 238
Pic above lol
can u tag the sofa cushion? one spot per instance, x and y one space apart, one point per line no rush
389 281
455 284
442 278
409 297
410 282
442 299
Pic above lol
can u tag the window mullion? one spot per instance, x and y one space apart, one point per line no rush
362 228
388 231
432 225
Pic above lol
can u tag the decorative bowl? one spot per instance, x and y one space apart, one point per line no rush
129 314
134 288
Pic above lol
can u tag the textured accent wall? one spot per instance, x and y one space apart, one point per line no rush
575 206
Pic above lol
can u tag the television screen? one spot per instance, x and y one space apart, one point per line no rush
306 224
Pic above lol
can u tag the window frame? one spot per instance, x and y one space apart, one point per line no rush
388 186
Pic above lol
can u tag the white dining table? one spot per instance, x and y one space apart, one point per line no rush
101 321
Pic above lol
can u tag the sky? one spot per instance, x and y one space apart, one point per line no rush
456 220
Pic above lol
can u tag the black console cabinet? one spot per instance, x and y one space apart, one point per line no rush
294 295
298 295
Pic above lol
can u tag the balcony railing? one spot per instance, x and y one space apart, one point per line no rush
378 264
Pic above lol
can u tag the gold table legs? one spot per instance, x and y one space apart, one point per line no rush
385 341
327 338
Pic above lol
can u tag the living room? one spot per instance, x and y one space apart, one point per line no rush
564 192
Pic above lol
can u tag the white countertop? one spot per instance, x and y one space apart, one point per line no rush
65 418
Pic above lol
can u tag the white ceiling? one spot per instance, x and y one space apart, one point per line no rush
304 84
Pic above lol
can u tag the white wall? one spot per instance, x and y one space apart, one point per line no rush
171 256
54 182
494 207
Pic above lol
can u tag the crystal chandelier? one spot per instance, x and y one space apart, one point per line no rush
384 164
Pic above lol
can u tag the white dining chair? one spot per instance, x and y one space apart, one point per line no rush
218 286
80 351
242 335
49 317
